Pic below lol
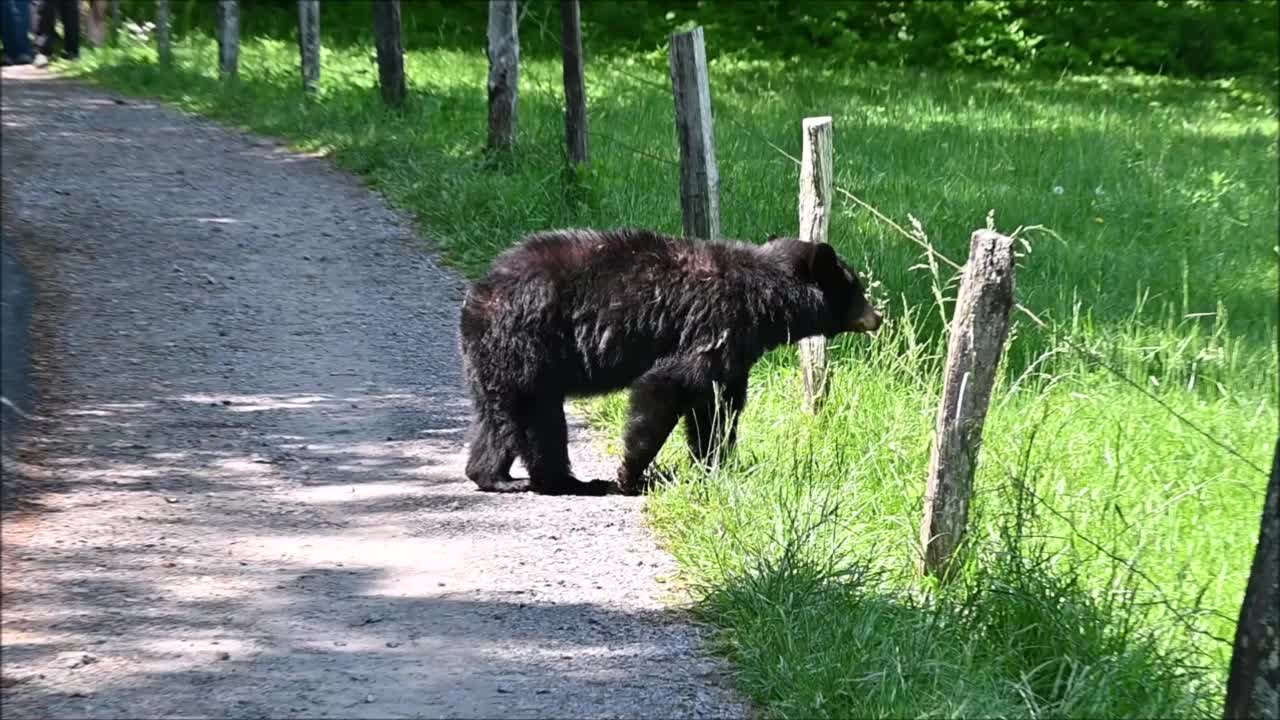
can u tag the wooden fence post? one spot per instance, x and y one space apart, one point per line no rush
815 214
504 73
309 42
228 38
699 175
978 332
163 47
386 31
1253 680
575 91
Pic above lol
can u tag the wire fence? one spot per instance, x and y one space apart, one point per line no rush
932 253
1182 616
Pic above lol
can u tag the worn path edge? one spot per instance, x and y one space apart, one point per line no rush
243 494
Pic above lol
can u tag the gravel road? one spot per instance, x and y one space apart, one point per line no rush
242 495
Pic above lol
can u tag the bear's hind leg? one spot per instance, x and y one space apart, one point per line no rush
656 403
545 451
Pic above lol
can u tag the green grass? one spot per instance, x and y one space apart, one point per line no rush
1109 540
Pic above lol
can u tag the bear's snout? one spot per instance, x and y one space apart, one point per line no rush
866 321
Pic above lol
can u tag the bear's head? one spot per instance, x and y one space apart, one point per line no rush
842 291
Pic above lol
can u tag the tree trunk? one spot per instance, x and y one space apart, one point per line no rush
1253 682
96 23
386 31
309 43
228 38
575 90
164 48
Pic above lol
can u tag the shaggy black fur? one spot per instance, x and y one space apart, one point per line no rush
680 322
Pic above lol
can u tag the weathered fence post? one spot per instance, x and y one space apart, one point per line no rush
386 32
228 38
978 331
815 214
575 90
504 73
309 42
699 175
1253 680
163 22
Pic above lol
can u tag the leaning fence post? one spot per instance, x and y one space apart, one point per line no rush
978 332
390 47
228 38
164 50
699 175
309 42
815 214
504 73
575 92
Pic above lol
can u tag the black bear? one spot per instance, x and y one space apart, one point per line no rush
582 312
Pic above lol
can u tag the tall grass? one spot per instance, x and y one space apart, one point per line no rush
1110 543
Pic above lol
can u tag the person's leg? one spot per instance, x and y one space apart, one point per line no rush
45 11
22 8
8 30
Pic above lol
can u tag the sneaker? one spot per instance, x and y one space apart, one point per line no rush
41 60
22 59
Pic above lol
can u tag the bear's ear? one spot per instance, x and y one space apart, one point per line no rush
811 262
822 262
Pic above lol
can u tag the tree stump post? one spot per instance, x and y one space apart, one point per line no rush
309 43
504 73
575 90
390 46
978 332
228 38
815 216
699 174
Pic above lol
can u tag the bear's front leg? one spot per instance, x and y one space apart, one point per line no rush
657 401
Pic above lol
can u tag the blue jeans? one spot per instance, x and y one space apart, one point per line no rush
15 20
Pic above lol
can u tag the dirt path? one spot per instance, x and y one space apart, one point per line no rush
245 498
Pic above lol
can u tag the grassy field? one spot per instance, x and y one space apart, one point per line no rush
1110 541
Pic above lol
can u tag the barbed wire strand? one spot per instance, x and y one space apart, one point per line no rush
627 147
1162 599
643 81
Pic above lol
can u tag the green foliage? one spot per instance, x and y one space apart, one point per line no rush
819 632
1176 37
